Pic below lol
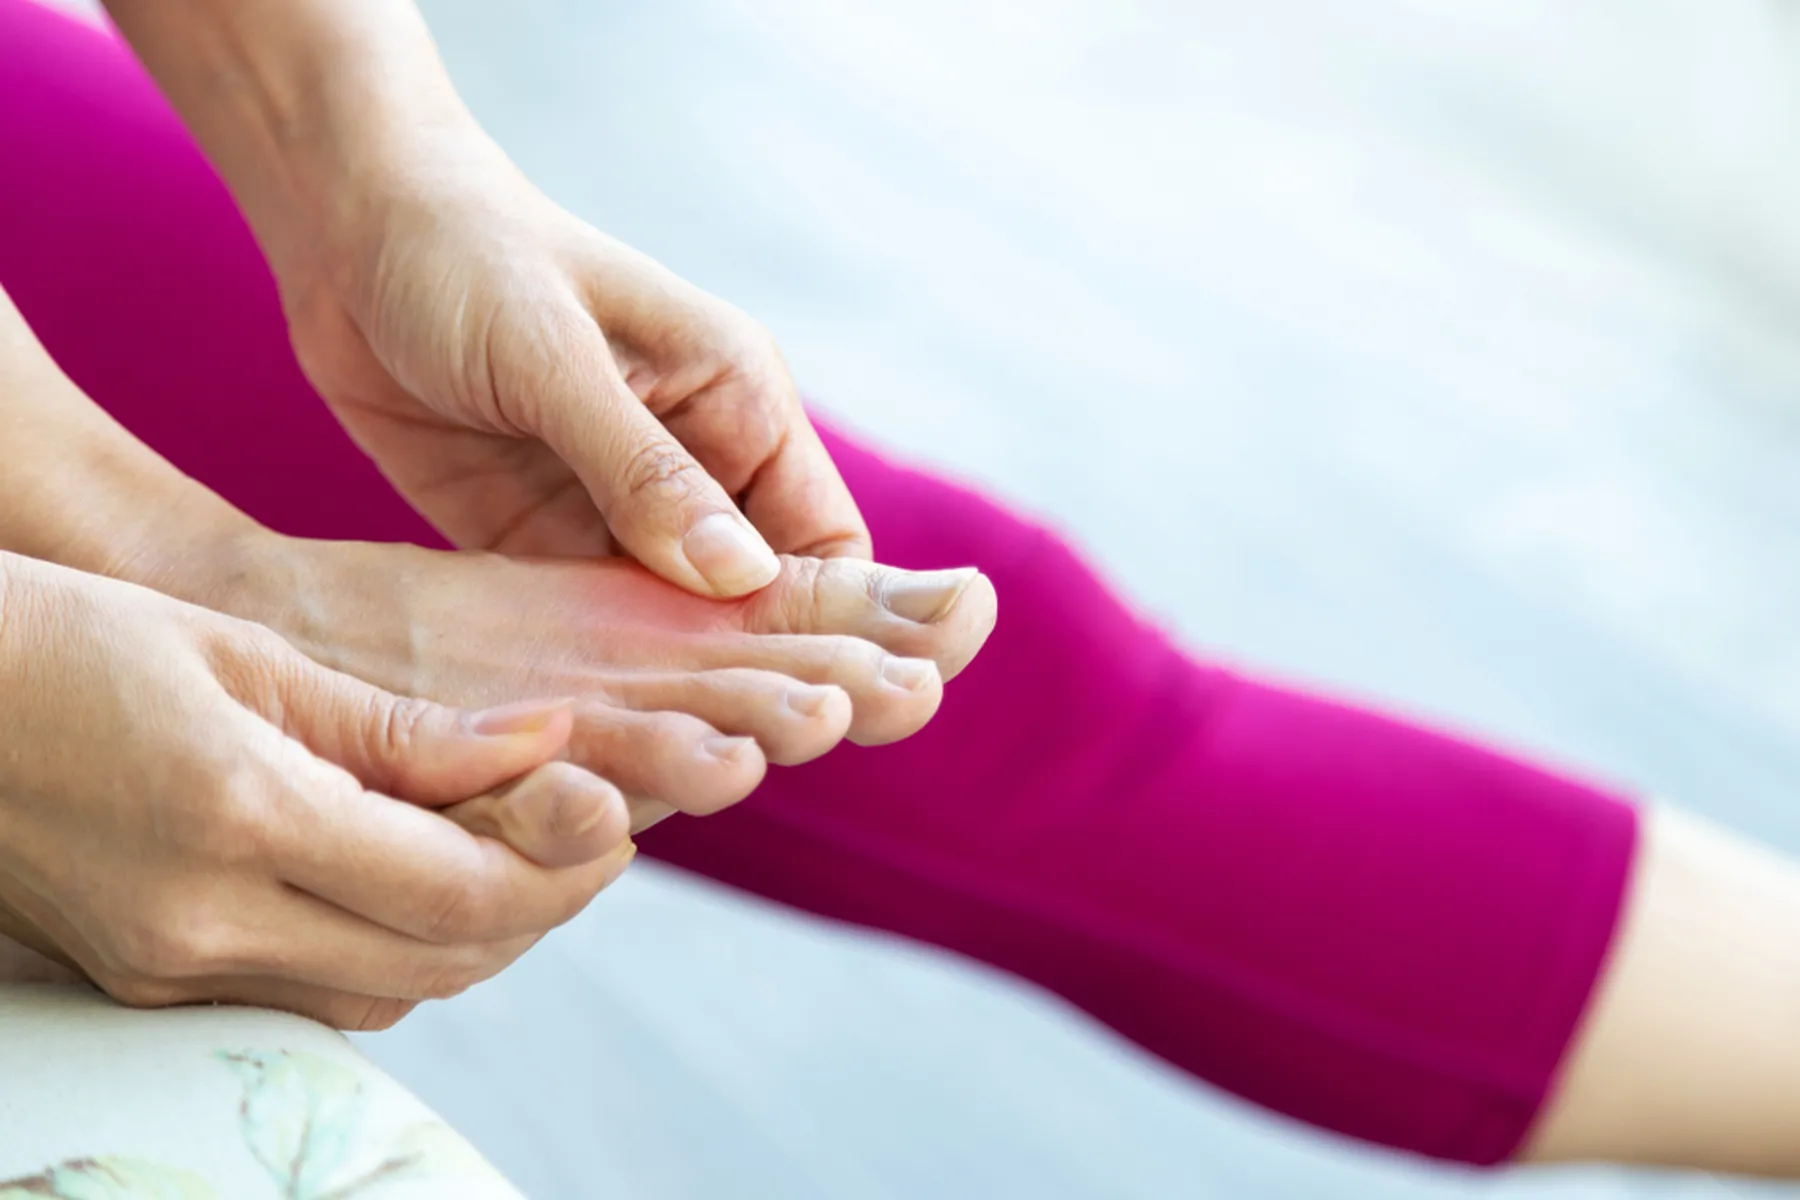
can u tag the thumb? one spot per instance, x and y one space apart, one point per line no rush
415 750
658 501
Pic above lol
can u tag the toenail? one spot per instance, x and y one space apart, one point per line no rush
575 812
911 674
808 702
516 720
926 598
729 749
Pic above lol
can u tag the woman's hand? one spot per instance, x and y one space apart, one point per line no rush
191 810
536 388
682 723
532 386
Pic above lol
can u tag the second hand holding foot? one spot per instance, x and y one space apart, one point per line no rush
191 810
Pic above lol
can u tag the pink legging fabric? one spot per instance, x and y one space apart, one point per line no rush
1367 926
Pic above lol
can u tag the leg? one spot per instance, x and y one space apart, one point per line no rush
203 1103
1691 1055
1375 929
1350 920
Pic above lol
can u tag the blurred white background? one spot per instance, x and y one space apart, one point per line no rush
1447 352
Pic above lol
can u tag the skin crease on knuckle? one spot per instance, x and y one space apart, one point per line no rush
255 665
399 720
461 910
170 941
660 475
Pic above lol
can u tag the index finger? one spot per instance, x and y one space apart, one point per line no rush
800 502
417 872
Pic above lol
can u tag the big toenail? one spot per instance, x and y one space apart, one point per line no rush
925 598
911 674
729 749
809 702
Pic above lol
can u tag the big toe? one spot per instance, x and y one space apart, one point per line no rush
944 616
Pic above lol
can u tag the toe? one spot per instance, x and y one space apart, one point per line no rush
941 615
793 721
557 816
670 757
891 697
645 813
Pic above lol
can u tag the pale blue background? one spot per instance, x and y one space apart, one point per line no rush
1444 351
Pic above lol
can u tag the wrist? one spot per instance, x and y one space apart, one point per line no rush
340 182
78 490
135 518
311 110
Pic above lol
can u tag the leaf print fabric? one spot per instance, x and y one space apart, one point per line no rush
109 1179
305 1119
312 1125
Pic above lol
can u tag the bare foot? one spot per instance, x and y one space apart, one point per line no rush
682 701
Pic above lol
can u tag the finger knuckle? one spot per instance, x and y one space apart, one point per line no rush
751 345
173 942
461 911
251 652
262 642
228 823
661 472
399 723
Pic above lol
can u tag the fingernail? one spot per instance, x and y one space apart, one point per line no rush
730 555
927 597
512 720
809 701
908 674
728 749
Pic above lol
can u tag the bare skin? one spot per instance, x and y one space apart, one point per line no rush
876 644
531 385
536 388
682 700
195 811
663 699
1690 1053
